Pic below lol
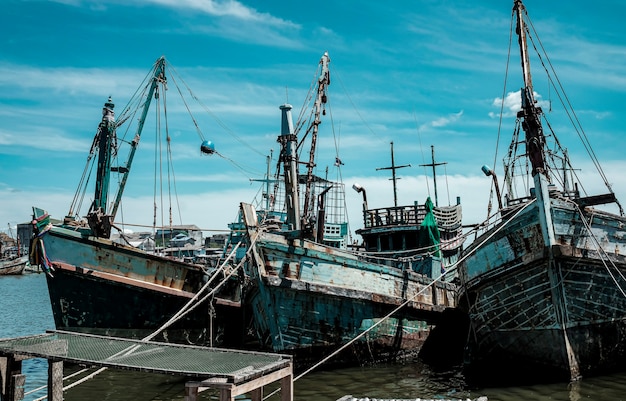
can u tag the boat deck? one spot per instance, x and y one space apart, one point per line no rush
232 372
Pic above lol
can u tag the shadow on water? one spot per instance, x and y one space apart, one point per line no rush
405 381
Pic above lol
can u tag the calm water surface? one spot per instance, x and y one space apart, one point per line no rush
25 310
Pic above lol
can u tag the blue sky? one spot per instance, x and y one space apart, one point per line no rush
418 73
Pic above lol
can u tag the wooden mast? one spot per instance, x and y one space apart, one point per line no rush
433 165
393 169
320 101
530 113
535 142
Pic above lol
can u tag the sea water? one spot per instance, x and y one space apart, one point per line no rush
25 310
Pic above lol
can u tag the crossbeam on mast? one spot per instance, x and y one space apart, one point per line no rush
433 165
393 169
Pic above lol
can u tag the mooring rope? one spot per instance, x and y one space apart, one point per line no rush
189 305
451 268
46 386
321 362
448 269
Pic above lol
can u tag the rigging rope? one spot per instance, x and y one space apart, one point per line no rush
567 106
599 248
338 77
501 116
209 112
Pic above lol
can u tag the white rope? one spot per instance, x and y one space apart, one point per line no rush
188 306
77 382
65 378
183 312
455 265
361 334
440 278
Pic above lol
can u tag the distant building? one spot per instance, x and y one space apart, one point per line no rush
8 246
142 240
180 240
217 240
164 236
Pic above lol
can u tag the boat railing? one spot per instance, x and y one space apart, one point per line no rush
390 216
447 217
513 202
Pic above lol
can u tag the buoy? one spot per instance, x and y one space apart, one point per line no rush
207 148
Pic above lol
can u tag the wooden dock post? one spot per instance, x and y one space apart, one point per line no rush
254 387
55 380
11 378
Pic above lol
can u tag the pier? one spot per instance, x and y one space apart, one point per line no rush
230 372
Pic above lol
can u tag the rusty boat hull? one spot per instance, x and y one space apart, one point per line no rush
556 312
102 287
313 300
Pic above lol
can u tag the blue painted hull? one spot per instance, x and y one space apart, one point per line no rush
557 311
310 300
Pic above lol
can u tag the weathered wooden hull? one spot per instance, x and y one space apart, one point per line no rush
85 301
310 300
101 287
558 311
14 266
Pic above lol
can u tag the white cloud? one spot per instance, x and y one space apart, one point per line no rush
67 80
443 121
46 138
513 103
226 8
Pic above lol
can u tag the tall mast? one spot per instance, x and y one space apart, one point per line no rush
433 165
105 139
158 77
535 140
320 100
530 113
98 219
393 169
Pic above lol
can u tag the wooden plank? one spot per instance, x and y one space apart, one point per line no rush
228 391
17 384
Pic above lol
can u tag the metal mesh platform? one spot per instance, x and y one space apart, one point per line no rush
192 361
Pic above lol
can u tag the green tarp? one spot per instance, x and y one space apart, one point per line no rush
429 233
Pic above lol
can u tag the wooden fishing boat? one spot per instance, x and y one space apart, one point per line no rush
101 286
13 266
12 258
317 298
544 285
